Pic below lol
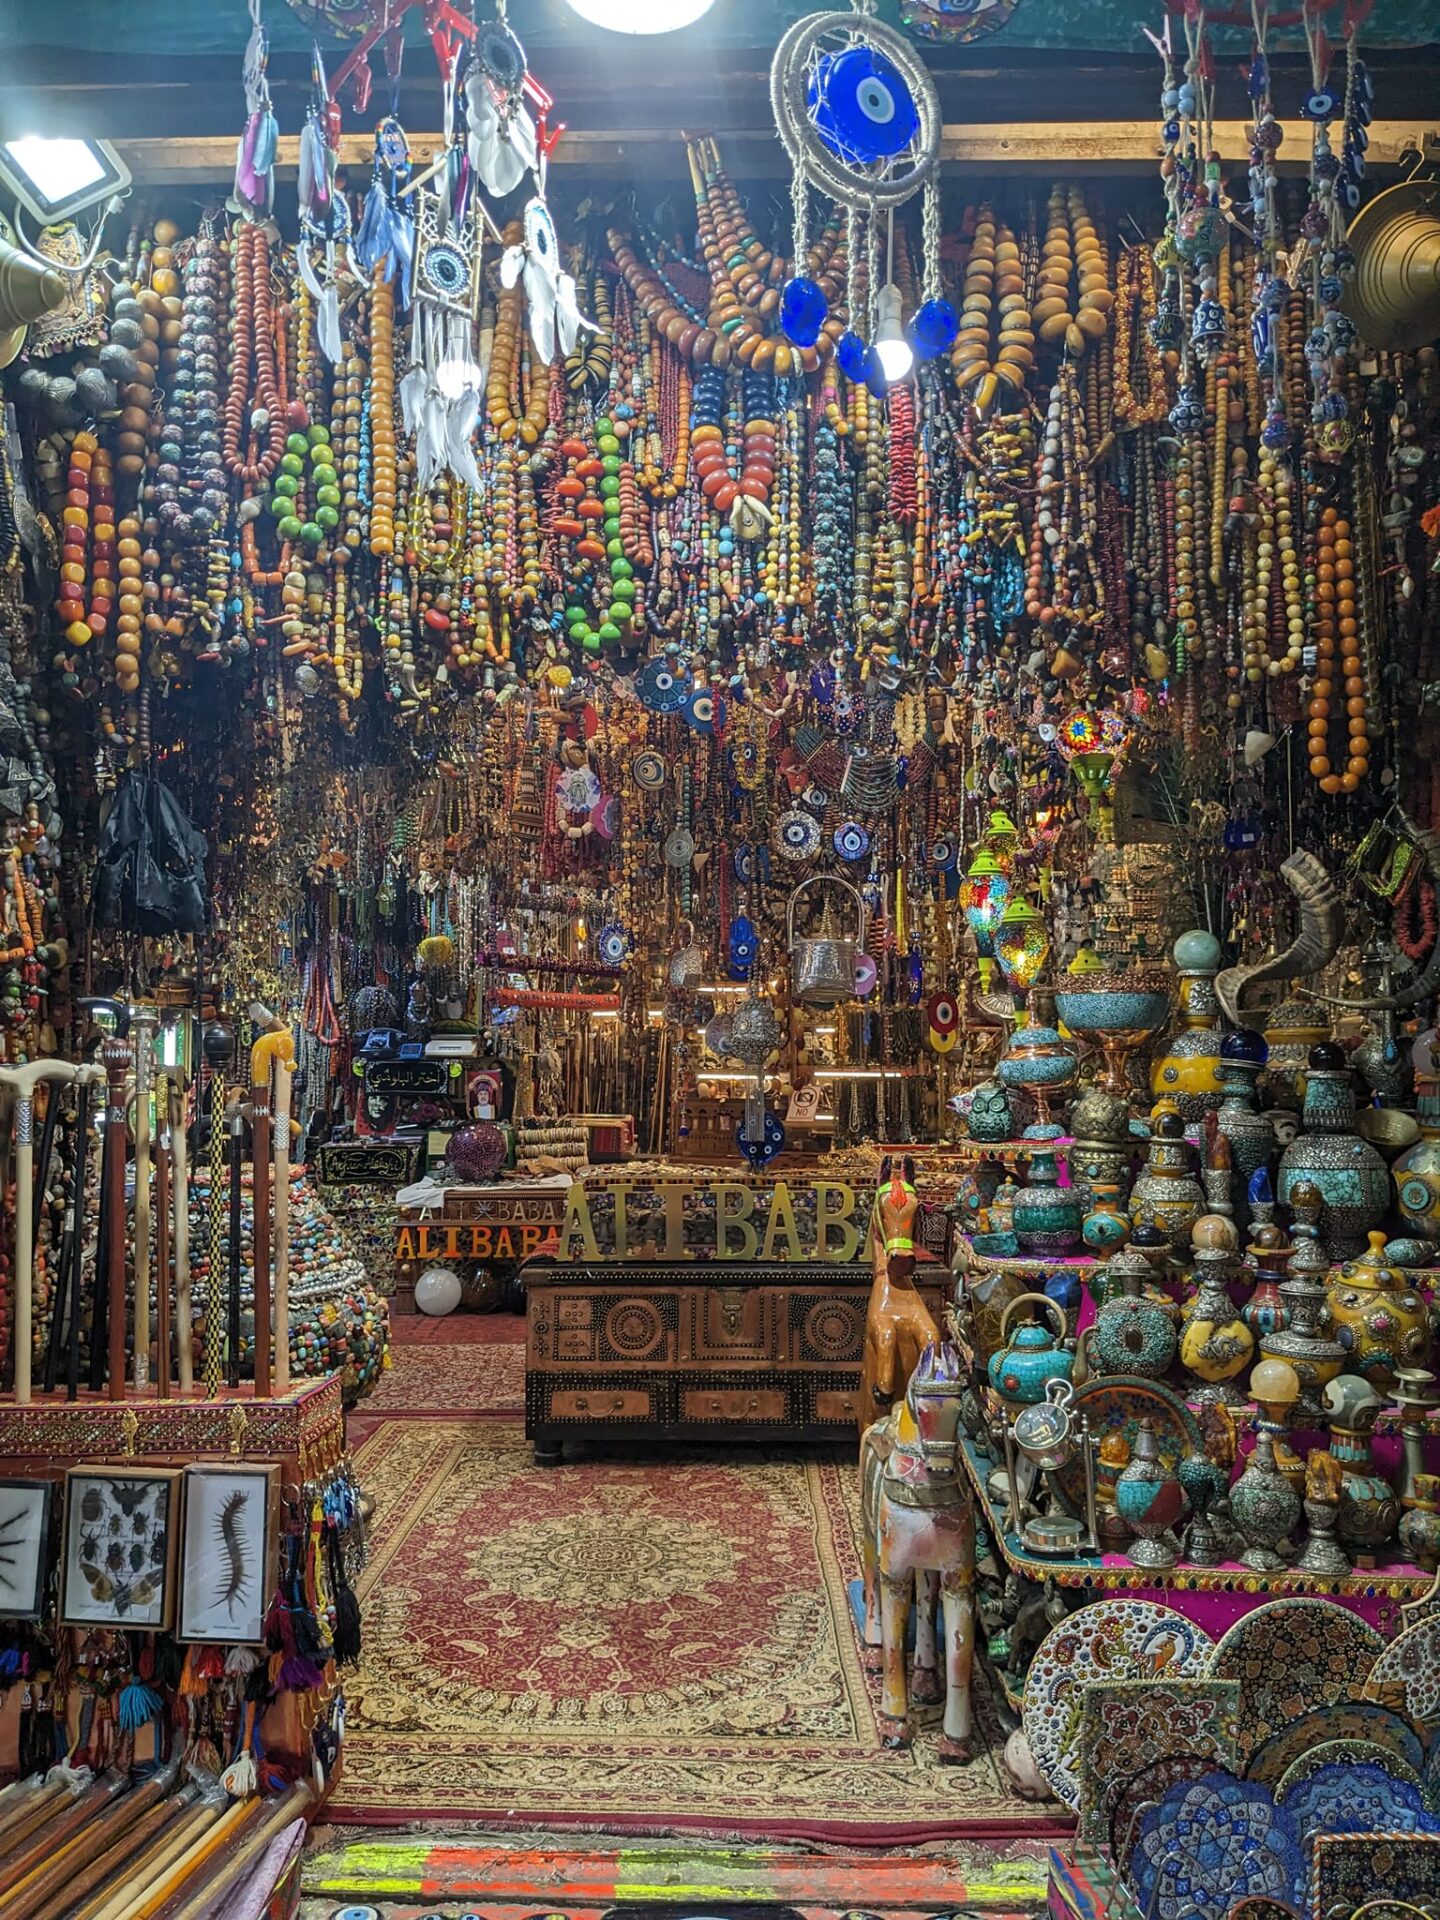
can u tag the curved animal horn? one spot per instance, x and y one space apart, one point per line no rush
1318 931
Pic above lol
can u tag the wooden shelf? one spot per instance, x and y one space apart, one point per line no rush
1042 147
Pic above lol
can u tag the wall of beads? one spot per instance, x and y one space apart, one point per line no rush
1133 584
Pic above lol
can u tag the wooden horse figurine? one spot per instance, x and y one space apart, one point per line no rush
919 1525
898 1324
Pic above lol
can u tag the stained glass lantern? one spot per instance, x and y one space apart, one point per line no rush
1022 944
1092 744
984 892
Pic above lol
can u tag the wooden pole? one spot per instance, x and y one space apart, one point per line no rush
143 1022
235 1820
163 1145
282 1227
24 1080
179 1839
260 1240
115 1057
180 1191
278 1815
164 1828
217 1055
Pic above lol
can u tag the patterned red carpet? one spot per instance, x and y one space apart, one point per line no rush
626 1643
484 1374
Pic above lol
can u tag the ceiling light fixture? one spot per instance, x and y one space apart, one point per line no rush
642 16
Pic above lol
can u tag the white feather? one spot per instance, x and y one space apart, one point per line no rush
512 262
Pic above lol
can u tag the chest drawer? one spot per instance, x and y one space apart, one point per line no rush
601 1403
733 1403
838 1404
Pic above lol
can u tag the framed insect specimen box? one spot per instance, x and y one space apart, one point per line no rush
122 1534
25 1507
228 1560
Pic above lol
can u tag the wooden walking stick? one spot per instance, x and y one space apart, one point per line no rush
180 1191
115 1057
260 1240
217 1054
64 1286
24 1080
163 1140
143 1022
282 1224
275 1048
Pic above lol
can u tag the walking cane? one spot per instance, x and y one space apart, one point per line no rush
217 1054
180 1199
235 1120
115 1057
282 1225
23 1081
143 1022
111 1224
163 1139
75 1225
260 1202
275 1048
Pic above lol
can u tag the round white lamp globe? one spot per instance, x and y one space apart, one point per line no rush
437 1291
642 16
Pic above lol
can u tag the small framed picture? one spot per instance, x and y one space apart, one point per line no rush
122 1534
228 1562
25 1508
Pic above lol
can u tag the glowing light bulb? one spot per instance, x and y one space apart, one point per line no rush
892 349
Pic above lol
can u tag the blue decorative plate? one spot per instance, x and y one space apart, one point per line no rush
700 711
1208 1842
852 842
662 687
944 854
797 834
1357 1798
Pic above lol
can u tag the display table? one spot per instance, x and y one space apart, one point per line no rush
302 1431
745 1350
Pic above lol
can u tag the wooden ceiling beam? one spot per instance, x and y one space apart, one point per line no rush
1038 147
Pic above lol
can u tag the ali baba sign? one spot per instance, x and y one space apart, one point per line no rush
672 1220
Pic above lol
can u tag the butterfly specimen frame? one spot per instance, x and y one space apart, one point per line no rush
228 1560
25 1507
122 1536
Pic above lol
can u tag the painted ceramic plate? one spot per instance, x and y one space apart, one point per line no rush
1406 1676
1129 1796
700 711
1117 1405
1115 1639
648 770
944 854
1354 1796
1355 1872
852 842
866 974
1260 1906
797 834
1208 1842
679 847
1290 1656
1357 1721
